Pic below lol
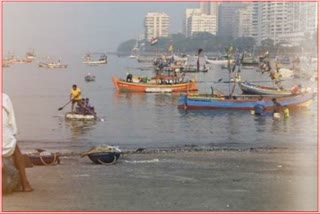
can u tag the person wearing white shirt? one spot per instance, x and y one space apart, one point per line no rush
9 141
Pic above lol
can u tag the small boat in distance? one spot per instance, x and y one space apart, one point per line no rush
216 60
90 77
95 59
52 65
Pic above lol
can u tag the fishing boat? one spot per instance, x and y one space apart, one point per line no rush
251 88
30 55
155 85
193 69
241 102
145 59
52 65
79 116
90 77
92 59
216 60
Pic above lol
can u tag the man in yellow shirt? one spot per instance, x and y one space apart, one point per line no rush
75 96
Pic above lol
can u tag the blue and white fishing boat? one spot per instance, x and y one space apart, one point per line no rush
241 102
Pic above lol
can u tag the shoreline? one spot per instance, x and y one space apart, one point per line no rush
267 179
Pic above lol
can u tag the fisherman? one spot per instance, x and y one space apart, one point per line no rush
286 113
277 107
75 96
259 107
129 77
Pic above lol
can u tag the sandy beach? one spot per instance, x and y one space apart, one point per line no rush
266 179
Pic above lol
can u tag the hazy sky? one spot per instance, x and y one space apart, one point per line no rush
80 26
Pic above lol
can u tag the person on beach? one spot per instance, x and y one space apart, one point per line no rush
9 142
277 107
296 89
75 96
259 107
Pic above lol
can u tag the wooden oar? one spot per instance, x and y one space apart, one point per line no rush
59 109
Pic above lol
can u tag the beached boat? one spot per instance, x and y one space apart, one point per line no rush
167 85
78 116
90 77
52 65
91 59
251 88
241 102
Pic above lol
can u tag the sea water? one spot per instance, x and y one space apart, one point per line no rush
147 120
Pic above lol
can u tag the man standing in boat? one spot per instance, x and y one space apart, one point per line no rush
75 96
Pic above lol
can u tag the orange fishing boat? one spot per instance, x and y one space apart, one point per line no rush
155 85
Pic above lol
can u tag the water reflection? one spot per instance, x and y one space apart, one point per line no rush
79 128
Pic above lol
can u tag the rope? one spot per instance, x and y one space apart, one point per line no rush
48 164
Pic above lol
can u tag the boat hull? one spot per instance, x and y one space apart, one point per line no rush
124 86
242 102
76 116
250 88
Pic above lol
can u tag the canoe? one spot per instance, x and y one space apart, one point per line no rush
251 88
77 116
241 102
154 86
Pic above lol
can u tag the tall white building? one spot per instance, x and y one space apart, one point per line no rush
242 22
209 8
203 19
283 21
156 25
227 11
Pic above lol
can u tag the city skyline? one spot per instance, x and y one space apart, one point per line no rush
87 26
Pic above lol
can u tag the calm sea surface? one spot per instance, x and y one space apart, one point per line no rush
134 120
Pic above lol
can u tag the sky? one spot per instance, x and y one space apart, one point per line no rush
80 26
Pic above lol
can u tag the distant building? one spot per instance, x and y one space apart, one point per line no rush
196 21
156 25
242 22
227 11
203 19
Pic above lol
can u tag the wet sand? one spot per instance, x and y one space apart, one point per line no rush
270 179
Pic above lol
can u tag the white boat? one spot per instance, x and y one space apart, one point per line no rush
90 77
90 59
216 60
52 65
132 57
78 116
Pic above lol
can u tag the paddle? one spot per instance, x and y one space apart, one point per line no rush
59 109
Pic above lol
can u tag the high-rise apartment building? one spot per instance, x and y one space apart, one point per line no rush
286 22
227 11
156 25
203 19
242 22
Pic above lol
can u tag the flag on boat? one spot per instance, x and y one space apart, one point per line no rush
154 41
170 48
